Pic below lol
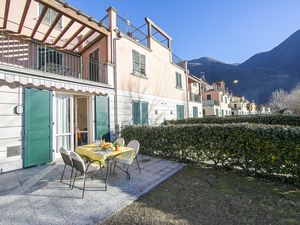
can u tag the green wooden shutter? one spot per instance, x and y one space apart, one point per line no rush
102 118
180 80
144 106
180 112
135 61
143 64
195 112
136 112
38 127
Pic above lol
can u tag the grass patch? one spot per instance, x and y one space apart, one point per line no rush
211 196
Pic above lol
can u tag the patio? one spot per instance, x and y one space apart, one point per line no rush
36 196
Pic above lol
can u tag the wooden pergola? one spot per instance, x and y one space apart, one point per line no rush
78 32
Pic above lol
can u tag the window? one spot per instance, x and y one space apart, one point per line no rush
217 112
195 84
178 80
139 63
52 60
140 113
195 112
180 112
222 112
94 65
226 100
208 97
50 17
235 106
203 112
221 98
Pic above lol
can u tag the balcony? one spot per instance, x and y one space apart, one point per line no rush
195 98
20 54
210 103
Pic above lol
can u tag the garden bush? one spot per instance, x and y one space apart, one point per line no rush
254 148
291 120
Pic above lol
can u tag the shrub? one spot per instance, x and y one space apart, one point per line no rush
291 120
256 149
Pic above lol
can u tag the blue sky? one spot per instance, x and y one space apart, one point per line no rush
227 30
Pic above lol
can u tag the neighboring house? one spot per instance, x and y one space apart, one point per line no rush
196 87
264 110
150 81
56 81
238 106
251 106
216 100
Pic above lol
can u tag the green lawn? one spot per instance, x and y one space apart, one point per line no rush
210 196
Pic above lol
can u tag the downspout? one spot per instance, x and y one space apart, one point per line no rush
187 89
114 50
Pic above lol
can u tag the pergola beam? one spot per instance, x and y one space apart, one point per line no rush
25 11
89 34
54 23
36 27
6 14
71 13
63 32
73 36
91 43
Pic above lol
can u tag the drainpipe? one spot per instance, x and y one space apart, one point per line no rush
114 47
187 88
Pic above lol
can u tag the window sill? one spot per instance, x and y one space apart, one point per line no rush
140 76
179 88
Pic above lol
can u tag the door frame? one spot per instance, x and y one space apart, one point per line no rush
90 123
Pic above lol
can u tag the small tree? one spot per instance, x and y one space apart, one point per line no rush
294 99
279 101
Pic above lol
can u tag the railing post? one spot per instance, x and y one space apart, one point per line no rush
81 65
45 58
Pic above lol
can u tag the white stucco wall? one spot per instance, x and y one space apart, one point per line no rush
10 129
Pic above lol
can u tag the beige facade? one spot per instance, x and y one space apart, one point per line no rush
154 81
239 106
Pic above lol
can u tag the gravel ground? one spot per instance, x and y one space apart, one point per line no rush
210 196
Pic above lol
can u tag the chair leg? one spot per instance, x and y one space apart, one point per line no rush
74 179
137 161
115 163
62 175
71 177
84 178
127 173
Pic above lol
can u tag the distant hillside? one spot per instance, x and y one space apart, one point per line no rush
259 75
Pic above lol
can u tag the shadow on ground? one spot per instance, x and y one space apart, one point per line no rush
36 196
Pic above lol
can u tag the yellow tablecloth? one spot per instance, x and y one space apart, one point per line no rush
94 153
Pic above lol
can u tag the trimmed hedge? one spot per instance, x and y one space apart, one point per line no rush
256 149
291 120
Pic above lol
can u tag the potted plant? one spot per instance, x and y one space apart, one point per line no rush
117 146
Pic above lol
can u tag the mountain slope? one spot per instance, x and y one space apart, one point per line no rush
284 57
260 75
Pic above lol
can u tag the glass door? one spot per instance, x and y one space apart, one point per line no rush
63 104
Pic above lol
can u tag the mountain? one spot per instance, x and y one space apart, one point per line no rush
258 76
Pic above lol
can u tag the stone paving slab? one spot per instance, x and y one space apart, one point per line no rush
35 196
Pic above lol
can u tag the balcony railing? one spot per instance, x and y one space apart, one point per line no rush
18 53
210 103
131 31
195 97
178 61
